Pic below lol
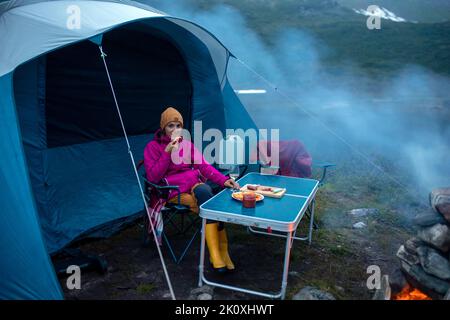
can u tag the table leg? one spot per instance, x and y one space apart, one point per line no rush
311 221
202 254
287 255
282 294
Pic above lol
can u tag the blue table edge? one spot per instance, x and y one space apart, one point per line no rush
301 211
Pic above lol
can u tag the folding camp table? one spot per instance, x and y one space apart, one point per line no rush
272 214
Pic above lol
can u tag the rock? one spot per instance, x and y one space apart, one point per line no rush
447 295
428 218
123 288
204 296
197 292
294 274
397 281
142 275
424 281
362 212
434 263
406 256
412 244
384 293
440 201
203 289
359 225
339 288
167 295
311 293
437 235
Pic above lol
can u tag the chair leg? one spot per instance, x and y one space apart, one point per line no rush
178 259
188 246
170 220
169 245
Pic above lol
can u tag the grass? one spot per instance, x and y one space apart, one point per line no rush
341 254
338 258
335 262
145 288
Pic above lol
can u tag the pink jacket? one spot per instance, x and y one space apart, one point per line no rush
161 169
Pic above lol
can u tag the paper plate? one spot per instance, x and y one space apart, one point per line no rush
239 195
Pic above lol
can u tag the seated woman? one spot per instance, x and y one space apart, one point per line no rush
190 176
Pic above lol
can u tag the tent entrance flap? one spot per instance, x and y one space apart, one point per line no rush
149 74
80 171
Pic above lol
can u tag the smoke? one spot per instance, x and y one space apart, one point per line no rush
341 113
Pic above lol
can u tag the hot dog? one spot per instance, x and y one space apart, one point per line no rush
177 139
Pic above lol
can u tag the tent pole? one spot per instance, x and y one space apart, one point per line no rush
103 55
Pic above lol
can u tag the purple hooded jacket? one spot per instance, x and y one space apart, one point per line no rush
183 168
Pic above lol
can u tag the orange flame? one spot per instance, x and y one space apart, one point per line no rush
409 293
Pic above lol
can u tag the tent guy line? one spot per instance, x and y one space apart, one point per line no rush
323 124
130 152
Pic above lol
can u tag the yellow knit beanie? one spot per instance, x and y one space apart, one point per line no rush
169 115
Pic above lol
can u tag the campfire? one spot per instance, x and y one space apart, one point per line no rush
410 293
425 266
424 272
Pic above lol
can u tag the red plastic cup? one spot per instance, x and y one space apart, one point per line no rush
249 200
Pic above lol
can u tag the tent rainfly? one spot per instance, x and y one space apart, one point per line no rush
65 173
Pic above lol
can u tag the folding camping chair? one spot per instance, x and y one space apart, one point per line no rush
294 161
173 214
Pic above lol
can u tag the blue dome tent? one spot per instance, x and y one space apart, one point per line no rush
65 173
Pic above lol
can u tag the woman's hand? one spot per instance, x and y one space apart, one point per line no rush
230 183
173 145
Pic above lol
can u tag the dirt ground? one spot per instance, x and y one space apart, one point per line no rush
336 261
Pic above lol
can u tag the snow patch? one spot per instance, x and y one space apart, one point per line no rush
381 12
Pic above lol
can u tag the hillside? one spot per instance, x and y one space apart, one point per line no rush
381 53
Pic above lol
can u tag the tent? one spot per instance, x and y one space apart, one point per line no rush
65 173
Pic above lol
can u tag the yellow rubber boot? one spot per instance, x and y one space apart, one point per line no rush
212 240
223 247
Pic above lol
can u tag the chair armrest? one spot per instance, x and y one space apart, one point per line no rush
324 166
167 187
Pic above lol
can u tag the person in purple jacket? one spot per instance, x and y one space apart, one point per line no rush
170 160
